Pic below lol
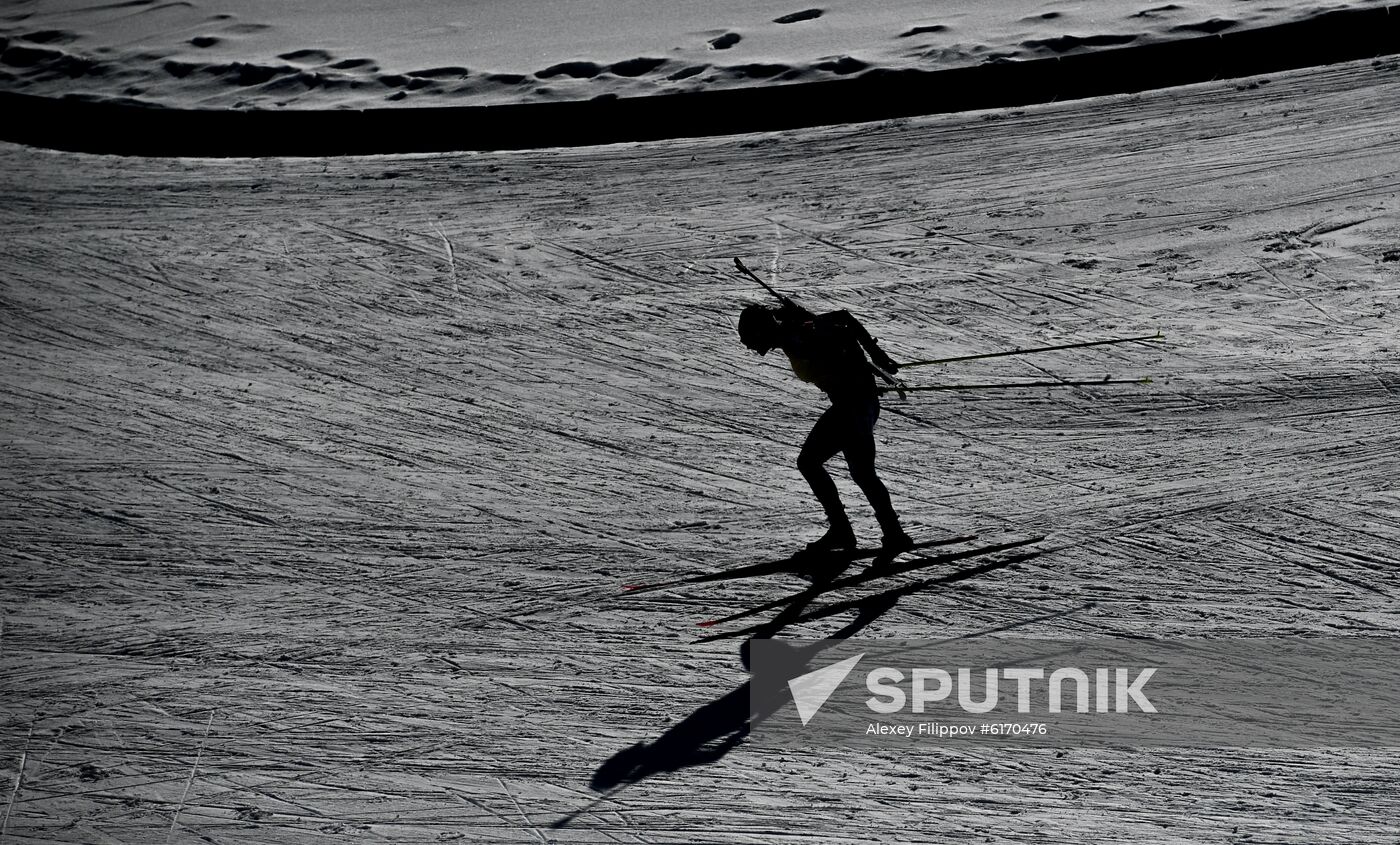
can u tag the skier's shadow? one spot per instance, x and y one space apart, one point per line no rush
713 730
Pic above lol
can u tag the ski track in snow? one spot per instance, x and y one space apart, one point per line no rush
322 476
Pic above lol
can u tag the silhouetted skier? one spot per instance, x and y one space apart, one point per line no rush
829 351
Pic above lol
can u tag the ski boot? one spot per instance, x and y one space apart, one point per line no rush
836 538
895 541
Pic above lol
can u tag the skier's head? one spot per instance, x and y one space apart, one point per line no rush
758 328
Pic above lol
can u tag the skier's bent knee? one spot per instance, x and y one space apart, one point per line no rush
864 475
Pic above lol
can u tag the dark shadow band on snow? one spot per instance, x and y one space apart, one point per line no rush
880 94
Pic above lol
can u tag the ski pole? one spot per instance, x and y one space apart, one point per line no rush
1015 384
1147 338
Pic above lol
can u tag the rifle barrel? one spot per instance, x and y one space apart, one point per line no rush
744 268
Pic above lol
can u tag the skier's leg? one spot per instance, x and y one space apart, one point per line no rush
860 458
822 443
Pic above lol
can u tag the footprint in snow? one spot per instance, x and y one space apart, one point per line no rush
798 17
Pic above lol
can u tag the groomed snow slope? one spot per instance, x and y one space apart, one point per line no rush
322 476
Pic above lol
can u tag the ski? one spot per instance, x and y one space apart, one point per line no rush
802 559
889 596
872 574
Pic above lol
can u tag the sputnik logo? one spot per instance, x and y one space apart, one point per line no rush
810 691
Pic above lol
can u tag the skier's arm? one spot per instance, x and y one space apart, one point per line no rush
848 321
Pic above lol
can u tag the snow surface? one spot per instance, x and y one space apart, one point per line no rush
365 53
321 477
